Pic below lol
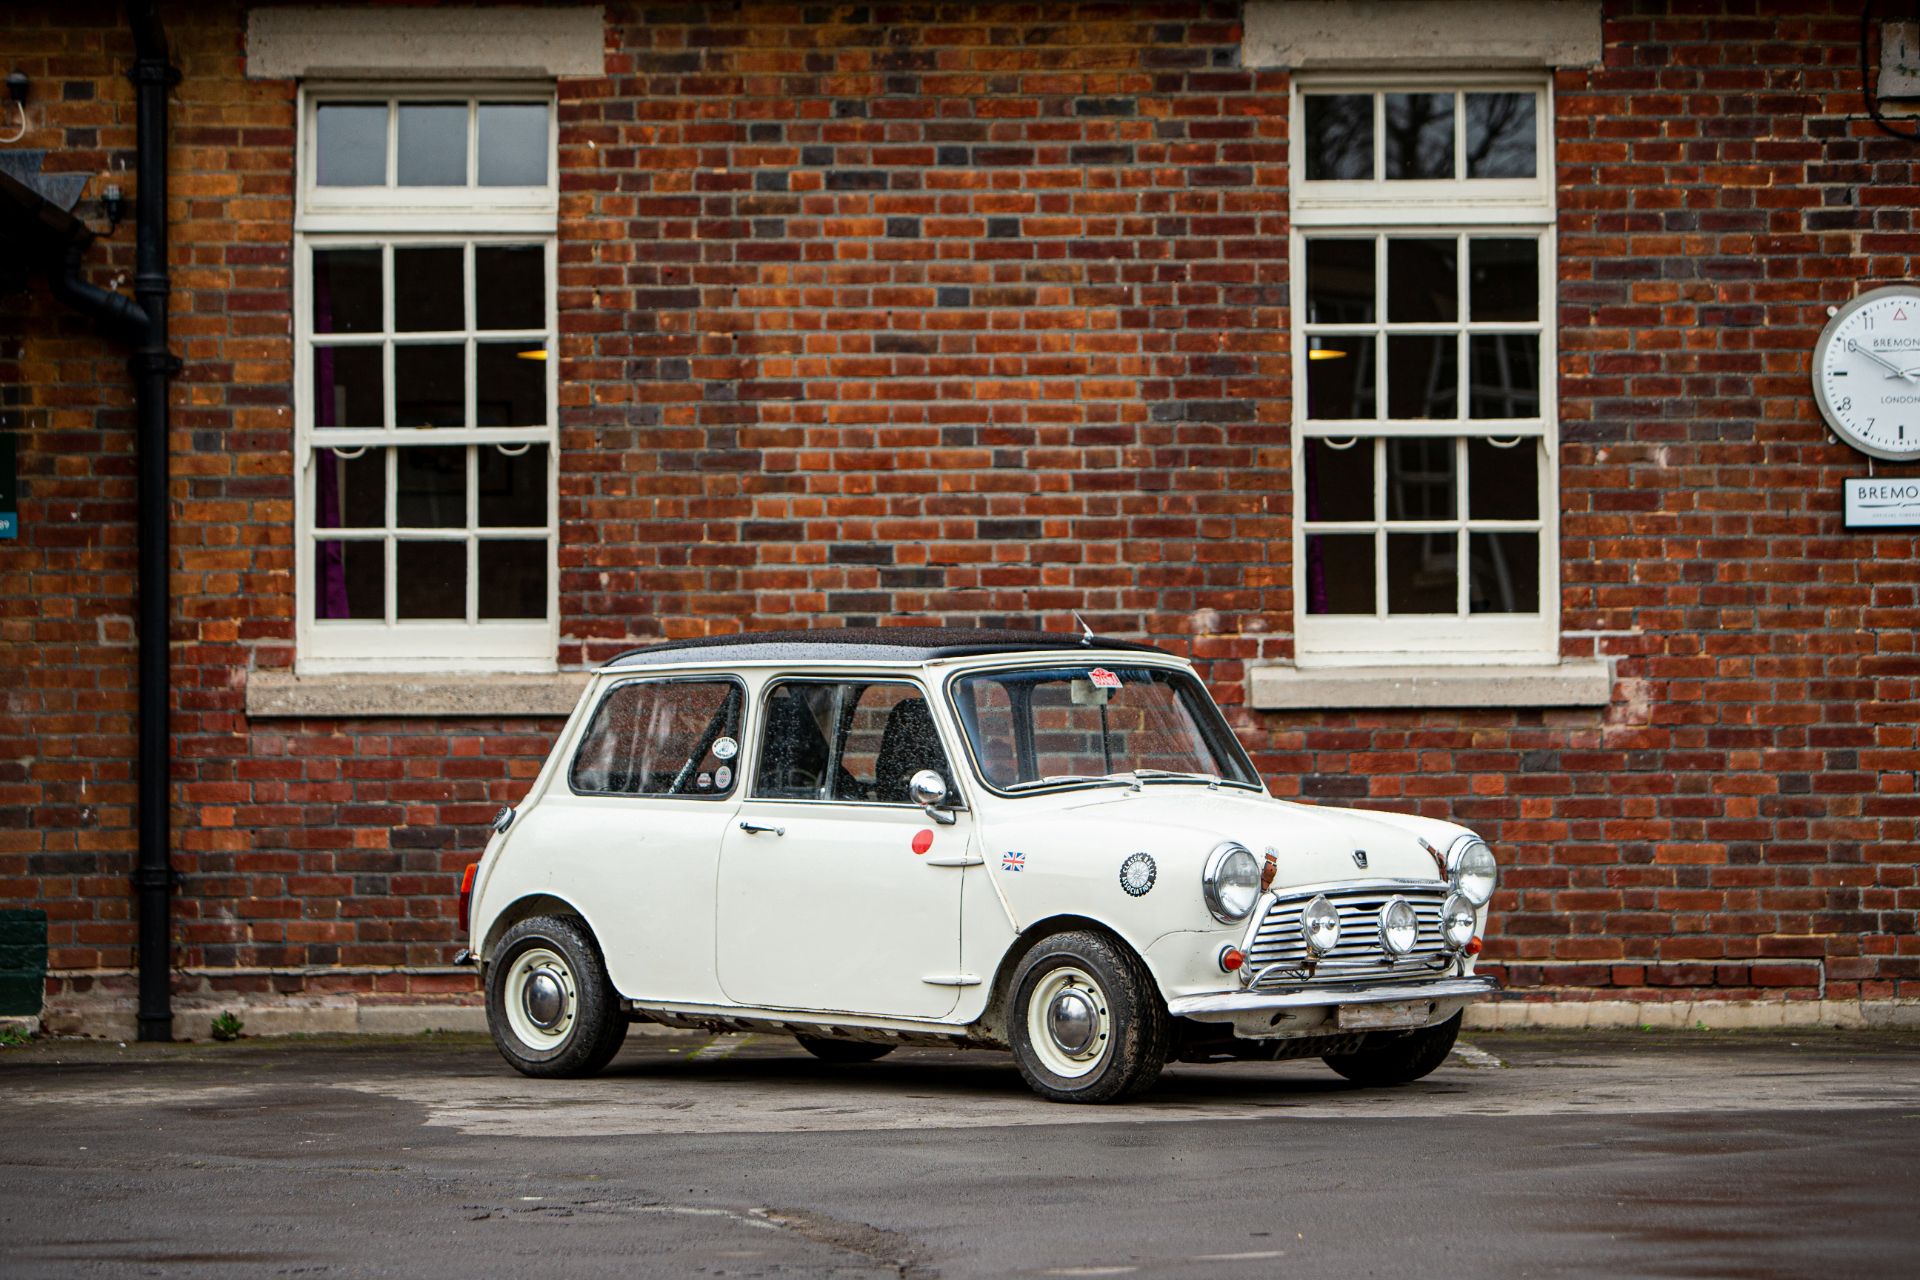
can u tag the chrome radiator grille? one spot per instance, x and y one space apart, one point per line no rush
1358 956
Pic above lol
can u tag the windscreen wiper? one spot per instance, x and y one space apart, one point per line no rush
1179 775
1124 779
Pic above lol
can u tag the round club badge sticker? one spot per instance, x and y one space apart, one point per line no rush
1137 874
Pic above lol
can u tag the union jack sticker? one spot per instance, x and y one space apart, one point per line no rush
1011 861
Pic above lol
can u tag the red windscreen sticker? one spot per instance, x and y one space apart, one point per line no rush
1103 678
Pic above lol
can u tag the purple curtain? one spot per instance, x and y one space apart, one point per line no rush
330 558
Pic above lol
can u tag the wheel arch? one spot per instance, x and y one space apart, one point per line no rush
527 907
992 1022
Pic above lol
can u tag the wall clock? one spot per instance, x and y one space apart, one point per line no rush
1866 372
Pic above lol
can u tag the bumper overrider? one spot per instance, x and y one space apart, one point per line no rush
1329 1007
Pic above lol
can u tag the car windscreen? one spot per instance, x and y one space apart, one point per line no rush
1092 722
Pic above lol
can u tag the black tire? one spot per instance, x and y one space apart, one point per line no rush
591 1025
1138 1034
1398 1059
844 1051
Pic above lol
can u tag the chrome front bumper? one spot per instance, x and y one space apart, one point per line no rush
1245 1006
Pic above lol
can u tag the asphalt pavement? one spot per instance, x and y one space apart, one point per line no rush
1696 1154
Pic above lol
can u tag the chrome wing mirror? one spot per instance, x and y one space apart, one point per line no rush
929 791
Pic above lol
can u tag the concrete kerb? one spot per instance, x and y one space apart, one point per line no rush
1678 1015
342 1015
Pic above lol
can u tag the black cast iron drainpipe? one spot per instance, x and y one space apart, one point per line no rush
142 322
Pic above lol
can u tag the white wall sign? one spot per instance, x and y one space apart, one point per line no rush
1882 504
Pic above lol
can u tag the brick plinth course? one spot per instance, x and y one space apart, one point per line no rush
979 314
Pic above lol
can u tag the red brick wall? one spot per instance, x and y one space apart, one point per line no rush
979 314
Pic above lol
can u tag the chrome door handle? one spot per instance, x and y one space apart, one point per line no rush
755 828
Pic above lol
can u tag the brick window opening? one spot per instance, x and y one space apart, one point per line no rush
1424 498
426 320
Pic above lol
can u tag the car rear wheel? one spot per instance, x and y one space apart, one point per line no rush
843 1051
1400 1059
550 1006
1086 1021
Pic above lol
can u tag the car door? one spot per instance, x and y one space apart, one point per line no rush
836 891
633 830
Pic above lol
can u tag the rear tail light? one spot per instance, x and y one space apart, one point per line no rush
466 896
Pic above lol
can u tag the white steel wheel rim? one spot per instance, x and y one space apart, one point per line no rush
1068 1024
541 998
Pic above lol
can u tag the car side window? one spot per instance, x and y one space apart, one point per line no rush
662 738
849 741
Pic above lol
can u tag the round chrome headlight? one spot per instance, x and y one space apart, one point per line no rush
1399 927
1457 921
1231 882
1471 869
1320 926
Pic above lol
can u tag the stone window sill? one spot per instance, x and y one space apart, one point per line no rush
1280 687
283 694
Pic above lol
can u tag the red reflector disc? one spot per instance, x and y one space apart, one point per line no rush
1232 959
922 841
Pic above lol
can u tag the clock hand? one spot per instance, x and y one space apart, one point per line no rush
1877 358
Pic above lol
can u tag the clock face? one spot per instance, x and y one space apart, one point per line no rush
1866 372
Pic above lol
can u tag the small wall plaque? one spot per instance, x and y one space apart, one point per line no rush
1875 503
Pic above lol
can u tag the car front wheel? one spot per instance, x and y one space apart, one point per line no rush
550 1006
1086 1021
1399 1059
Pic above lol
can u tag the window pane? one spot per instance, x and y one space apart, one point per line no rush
510 286
346 291
1505 375
430 580
1423 376
430 385
433 144
1339 138
430 488
658 737
349 580
1339 480
513 144
1504 573
1500 135
1339 573
1340 281
350 493
513 579
429 289
1421 574
513 490
889 736
350 144
512 386
348 387
1504 278
1423 284
1419 135
1503 483
1420 480
1340 377
793 745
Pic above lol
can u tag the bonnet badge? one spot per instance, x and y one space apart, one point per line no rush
1360 858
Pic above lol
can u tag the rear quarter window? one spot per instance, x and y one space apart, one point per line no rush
662 738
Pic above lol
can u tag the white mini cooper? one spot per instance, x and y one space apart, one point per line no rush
1034 841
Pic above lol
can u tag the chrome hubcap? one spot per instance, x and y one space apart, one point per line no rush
1069 1026
1073 1021
539 998
546 999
